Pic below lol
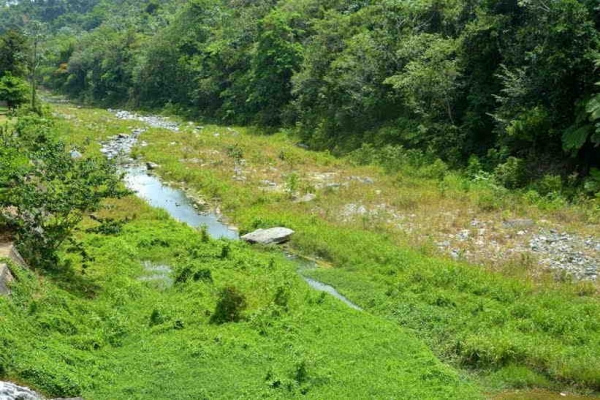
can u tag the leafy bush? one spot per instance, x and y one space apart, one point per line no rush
437 170
225 251
474 167
203 274
549 184
592 183
46 191
230 305
156 318
13 90
511 174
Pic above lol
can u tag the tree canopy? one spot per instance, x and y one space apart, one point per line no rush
490 78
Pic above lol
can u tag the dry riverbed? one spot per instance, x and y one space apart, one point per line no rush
516 238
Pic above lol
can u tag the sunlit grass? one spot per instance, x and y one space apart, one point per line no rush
470 315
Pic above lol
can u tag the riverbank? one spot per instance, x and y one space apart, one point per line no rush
515 321
162 311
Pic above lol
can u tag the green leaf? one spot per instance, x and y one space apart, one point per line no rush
574 137
593 107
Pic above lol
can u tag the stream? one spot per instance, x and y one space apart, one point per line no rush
176 202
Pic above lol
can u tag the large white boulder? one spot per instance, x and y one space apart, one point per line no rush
269 236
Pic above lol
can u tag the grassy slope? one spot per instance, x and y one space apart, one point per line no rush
513 331
67 333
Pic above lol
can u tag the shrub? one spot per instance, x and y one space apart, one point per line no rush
156 318
474 167
592 183
282 297
437 170
235 152
184 275
549 184
511 174
229 307
365 155
49 191
204 236
204 275
225 251
13 90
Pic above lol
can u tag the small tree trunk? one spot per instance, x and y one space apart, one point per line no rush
33 77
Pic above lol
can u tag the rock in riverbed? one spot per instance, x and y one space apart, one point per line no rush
307 198
150 166
518 223
269 236
10 391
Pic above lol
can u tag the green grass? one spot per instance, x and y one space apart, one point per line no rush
69 333
478 320
501 330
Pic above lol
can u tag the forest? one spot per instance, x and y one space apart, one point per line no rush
507 86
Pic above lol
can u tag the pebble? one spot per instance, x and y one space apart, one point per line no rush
152 120
307 198
518 223
566 252
269 183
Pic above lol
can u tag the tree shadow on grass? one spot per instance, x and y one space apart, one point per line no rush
65 276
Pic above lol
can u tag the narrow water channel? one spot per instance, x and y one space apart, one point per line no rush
179 206
175 202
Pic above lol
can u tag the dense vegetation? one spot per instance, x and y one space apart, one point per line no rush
229 322
509 82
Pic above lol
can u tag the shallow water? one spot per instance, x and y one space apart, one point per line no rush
306 265
179 206
159 275
322 287
175 202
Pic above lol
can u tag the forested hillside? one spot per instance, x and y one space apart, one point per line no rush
505 85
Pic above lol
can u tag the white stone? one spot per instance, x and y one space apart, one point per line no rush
269 236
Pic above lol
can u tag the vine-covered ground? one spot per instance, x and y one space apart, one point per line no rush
109 333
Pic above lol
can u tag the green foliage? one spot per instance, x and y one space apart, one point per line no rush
13 46
230 305
47 191
511 174
429 81
13 90
479 319
450 78
235 152
592 183
550 184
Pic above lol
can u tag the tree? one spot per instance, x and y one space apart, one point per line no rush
36 33
45 192
13 90
276 57
13 48
230 305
